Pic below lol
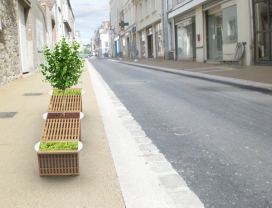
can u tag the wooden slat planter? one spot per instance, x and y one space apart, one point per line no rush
68 129
57 163
73 103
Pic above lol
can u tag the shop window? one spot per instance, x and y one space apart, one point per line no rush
159 41
230 34
142 41
185 33
232 27
263 30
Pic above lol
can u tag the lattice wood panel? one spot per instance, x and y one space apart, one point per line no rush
72 103
58 163
68 129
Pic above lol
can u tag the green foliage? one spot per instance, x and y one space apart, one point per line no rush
86 50
64 66
67 92
44 146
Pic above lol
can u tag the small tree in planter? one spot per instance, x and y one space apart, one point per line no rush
64 66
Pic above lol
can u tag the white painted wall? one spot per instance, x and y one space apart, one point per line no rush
146 14
244 30
104 39
199 20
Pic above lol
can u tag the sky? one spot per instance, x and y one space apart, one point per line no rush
88 22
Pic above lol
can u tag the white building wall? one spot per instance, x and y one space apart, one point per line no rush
104 43
199 18
59 20
117 14
244 30
129 17
148 12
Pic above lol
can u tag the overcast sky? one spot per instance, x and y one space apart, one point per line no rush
87 23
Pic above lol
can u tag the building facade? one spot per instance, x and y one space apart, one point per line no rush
262 31
149 28
10 65
25 27
68 20
194 30
210 30
102 40
116 16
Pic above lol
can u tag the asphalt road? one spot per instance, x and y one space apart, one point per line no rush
217 136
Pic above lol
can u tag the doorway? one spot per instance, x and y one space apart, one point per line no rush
150 46
128 48
215 36
23 46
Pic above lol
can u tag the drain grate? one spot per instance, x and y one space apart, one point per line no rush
7 114
32 94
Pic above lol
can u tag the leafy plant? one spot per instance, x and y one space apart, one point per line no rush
44 146
86 50
64 66
67 92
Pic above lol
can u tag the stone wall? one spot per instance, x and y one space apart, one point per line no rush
10 59
9 43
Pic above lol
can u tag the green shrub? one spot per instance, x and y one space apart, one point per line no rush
67 92
64 66
44 146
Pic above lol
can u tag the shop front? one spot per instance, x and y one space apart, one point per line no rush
150 51
222 32
185 36
262 15
159 41
117 45
185 39
142 43
124 54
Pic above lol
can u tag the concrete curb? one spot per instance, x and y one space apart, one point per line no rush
257 86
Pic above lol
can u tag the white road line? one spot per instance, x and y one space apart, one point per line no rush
147 179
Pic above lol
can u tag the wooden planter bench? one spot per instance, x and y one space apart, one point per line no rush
73 103
58 163
68 129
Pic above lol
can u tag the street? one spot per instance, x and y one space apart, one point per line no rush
216 136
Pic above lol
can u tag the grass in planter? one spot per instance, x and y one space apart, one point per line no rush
67 92
44 146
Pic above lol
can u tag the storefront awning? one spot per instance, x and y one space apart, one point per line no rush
185 8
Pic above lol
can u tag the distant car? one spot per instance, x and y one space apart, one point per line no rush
84 55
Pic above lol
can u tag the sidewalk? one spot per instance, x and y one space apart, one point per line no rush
246 74
21 186
98 184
